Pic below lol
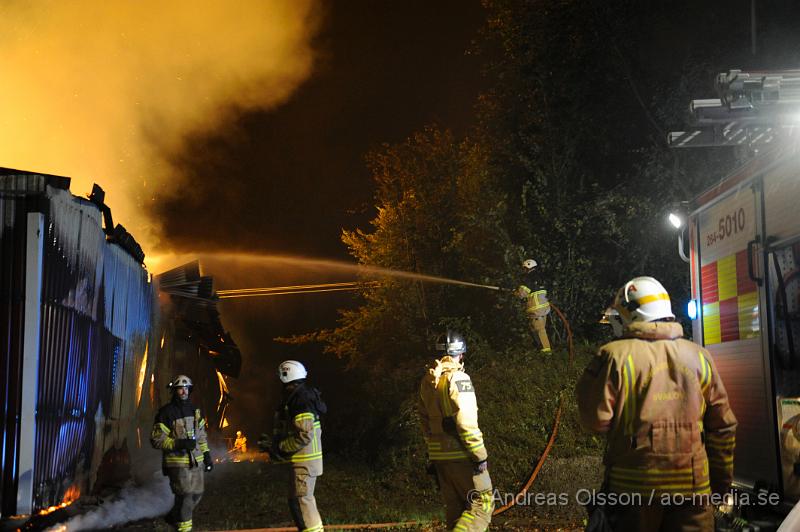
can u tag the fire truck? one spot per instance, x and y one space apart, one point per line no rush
743 238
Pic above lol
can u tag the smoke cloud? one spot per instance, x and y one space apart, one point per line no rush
132 503
109 92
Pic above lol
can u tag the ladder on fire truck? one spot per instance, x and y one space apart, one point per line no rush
752 109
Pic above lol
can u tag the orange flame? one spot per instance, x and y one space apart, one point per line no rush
70 496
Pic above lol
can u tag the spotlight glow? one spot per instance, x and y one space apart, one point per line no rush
691 309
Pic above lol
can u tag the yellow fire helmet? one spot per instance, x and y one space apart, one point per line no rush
643 299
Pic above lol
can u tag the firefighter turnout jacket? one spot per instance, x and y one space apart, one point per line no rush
662 404
180 420
449 413
537 303
297 430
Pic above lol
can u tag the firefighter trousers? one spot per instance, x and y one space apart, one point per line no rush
539 326
467 497
658 518
187 485
302 503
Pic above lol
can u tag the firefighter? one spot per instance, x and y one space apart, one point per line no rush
297 440
240 444
662 405
180 432
537 307
448 411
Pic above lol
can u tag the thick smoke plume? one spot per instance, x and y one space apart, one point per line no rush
107 92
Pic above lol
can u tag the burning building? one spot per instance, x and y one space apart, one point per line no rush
192 335
86 352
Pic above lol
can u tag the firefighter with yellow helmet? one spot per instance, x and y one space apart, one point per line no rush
240 443
448 411
297 441
180 432
538 307
663 407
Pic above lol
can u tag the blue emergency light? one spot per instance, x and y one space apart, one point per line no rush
691 309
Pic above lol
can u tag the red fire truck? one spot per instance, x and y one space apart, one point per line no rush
743 237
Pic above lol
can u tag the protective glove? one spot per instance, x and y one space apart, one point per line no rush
207 462
276 454
263 443
481 467
431 470
187 444
275 449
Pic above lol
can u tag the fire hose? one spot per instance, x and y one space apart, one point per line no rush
346 286
367 526
553 432
498 511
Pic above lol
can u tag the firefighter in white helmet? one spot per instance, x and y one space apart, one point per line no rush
448 411
180 432
538 307
297 440
662 405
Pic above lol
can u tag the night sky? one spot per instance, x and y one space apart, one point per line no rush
287 181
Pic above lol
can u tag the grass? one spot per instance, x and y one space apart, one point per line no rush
518 393
346 493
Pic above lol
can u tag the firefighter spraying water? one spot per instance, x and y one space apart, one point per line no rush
472 513
537 306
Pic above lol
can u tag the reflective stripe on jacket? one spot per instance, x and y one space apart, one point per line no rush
537 302
173 422
664 408
449 413
297 432
303 439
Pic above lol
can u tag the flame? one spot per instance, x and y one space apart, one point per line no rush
223 388
153 389
142 375
71 495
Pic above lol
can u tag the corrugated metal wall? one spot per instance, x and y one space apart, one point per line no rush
12 288
95 320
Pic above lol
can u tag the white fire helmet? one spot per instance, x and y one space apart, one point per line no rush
181 381
529 264
643 299
291 370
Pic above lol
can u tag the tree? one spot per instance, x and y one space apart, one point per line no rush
575 123
438 214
